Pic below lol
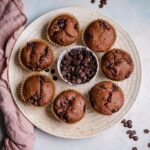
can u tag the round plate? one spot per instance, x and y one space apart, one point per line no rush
93 123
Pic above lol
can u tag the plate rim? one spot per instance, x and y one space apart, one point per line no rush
139 80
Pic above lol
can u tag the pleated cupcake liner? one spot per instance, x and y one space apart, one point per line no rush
114 79
61 120
122 92
49 24
30 41
32 75
83 39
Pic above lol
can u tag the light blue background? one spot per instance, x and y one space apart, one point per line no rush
134 16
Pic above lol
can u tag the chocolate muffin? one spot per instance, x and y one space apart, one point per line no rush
117 64
79 65
63 30
69 106
106 97
36 55
37 90
99 36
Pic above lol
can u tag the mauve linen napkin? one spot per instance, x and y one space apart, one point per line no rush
19 130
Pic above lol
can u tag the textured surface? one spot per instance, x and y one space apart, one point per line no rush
92 123
135 20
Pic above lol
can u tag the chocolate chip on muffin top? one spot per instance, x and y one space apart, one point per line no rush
69 106
36 55
106 97
63 30
99 36
117 64
38 90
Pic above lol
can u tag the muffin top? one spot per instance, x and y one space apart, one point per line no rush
78 66
38 90
106 97
99 36
63 30
69 106
117 64
36 55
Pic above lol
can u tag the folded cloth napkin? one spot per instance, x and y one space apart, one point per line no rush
19 130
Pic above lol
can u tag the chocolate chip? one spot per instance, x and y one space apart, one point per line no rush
129 122
55 78
82 74
125 125
134 148
129 125
101 3
64 73
74 81
135 138
52 71
79 81
76 26
92 1
133 132
47 69
131 136
123 121
146 131
61 23
129 131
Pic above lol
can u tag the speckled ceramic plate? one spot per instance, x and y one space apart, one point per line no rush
93 123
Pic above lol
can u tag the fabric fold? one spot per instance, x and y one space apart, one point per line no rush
20 133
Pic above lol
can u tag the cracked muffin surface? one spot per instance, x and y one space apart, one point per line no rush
38 90
99 36
69 106
36 55
117 64
64 30
106 97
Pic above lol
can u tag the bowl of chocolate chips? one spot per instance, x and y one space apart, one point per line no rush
78 65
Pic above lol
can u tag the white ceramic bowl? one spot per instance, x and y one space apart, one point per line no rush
67 51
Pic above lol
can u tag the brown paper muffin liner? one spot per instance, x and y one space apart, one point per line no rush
122 91
125 78
83 38
36 74
34 40
57 118
49 23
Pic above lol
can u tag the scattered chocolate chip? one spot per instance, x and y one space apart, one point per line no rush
134 148
125 125
131 136
92 1
146 131
55 78
101 3
129 122
129 131
133 132
135 138
47 69
123 121
52 71
148 144
129 125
